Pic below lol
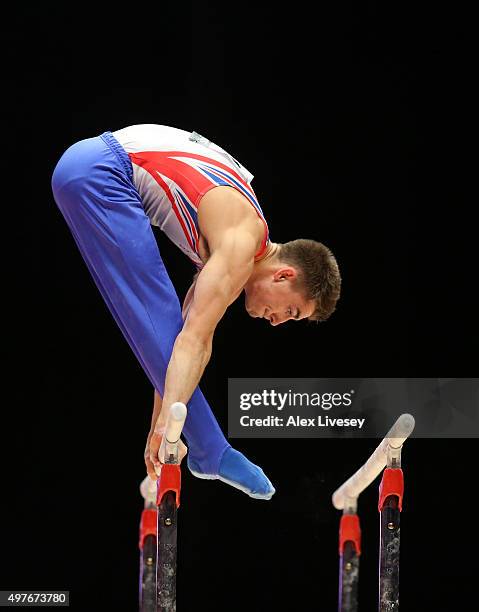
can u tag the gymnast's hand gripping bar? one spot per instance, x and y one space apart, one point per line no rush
354 486
174 427
158 535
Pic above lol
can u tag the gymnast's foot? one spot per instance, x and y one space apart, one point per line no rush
238 472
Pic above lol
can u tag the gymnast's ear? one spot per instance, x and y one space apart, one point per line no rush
285 273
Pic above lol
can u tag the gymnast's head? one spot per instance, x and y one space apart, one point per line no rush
294 281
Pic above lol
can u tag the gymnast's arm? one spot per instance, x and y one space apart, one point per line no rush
218 284
233 240
158 400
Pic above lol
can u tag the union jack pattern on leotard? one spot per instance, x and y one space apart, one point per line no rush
172 172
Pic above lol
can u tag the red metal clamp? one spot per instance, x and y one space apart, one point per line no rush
350 531
147 525
169 480
392 483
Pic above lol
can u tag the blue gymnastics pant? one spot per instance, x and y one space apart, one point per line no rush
93 188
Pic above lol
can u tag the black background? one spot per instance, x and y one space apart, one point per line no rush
354 119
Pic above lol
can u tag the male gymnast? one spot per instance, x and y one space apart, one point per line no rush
111 189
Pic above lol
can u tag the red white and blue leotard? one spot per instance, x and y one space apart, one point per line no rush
172 171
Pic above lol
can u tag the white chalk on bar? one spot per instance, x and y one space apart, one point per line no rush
361 479
175 422
148 490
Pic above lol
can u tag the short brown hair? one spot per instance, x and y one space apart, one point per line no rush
318 276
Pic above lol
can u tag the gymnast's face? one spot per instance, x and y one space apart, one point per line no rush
277 298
